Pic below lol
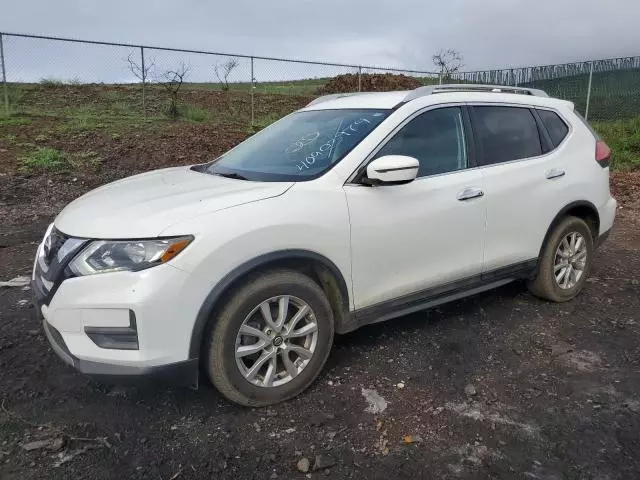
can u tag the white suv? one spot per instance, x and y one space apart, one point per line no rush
356 209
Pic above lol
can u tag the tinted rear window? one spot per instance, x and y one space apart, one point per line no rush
506 133
555 126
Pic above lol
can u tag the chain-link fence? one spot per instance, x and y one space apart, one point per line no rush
601 89
142 81
97 80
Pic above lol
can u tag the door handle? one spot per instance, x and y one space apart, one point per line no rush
555 173
469 193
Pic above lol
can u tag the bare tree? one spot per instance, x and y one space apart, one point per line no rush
172 80
223 71
448 62
141 71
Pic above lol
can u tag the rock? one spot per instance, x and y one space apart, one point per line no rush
376 404
470 390
36 445
400 385
407 439
16 282
57 444
303 465
323 461
117 391
290 430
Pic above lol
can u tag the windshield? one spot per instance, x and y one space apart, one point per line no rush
299 147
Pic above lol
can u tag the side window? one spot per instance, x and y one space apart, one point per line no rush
505 134
556 128
436 138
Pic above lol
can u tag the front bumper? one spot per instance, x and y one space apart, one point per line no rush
180 373
120 324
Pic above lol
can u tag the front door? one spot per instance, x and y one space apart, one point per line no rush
427 233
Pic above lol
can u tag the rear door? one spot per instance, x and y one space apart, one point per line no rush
524 173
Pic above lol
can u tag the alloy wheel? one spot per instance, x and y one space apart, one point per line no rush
276 341
570 260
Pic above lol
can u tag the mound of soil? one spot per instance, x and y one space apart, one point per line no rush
370 82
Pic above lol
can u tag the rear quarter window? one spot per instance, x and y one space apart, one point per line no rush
556 128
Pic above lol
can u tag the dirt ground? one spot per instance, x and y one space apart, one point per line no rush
500 385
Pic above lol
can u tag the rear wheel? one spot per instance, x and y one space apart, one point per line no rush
271 339
565 262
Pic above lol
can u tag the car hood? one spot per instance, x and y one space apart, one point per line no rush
144 205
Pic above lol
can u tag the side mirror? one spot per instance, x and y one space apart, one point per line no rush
392 170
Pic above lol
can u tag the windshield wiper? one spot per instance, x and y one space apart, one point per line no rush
235 176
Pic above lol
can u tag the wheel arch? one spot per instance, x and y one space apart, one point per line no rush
322 270
583 209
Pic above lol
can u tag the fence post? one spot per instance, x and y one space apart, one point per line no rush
252 86
359 79
586 110
440 76
144 80
4 77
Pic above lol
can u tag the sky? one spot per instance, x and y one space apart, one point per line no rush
398 33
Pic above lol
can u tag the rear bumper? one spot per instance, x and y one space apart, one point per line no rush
607 214
181 373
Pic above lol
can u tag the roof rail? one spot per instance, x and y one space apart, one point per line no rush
471 87
333 96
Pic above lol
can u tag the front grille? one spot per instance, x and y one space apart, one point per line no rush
54 254
52 244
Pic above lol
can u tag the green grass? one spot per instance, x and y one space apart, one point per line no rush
14 121
623 136
115 111
88 158
44 158
194 114
51 160
116 117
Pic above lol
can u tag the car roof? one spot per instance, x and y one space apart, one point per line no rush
382 100
389 100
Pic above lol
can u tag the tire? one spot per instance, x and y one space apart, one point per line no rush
243 307
545 285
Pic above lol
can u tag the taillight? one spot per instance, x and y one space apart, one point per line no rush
603 154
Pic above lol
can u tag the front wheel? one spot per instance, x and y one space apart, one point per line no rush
565 261
271 339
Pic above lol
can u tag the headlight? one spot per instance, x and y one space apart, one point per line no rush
102 256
